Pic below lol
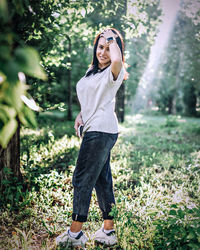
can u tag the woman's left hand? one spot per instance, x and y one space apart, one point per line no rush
78 122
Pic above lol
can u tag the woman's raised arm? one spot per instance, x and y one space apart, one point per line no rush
115 52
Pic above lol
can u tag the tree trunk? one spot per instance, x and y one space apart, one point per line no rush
10 159
120 98
170 105
69 112
177 79
69 87
190 99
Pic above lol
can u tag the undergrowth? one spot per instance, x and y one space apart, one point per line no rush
155 166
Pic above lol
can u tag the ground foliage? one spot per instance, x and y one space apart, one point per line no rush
155 166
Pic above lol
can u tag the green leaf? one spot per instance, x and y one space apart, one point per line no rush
27 117
172 221
191 236
29 62
194 246
3 10
10 70
6 113
174 206
172 212
5 52
152 211
181 213
7 132
3 115
22 119
13 95
10 112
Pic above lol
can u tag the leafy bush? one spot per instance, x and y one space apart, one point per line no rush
178 229
171 121
14 194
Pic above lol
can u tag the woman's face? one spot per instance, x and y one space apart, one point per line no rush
103 53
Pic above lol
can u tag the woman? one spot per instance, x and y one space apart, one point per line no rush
96 93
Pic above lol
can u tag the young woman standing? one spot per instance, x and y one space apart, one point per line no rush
96 93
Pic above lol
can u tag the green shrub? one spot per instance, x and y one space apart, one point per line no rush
171 121
179 229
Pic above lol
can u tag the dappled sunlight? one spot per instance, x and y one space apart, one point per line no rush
123 129
29 132
180 197
53 149
133 119
128 127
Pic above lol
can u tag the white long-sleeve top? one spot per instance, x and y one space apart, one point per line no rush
96 94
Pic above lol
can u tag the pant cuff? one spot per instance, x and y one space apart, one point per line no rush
106 216
80 218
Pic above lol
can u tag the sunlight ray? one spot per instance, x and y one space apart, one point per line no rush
170 9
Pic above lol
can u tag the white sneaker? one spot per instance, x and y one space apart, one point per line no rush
65 238
108 239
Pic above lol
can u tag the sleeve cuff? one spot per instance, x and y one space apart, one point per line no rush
120 77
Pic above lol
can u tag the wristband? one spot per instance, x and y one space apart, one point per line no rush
110 40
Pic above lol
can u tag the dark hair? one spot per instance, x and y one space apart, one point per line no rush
94 65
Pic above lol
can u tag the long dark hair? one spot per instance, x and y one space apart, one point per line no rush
94 65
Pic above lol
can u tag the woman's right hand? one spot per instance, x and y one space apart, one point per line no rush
78 122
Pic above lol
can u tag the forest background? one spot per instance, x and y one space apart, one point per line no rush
46 47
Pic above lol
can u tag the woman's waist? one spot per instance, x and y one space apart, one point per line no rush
102 123
98 114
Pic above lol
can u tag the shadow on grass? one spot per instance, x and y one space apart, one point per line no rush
49 145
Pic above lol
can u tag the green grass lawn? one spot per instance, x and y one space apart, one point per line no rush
156 172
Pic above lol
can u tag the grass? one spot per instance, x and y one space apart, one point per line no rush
155 166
